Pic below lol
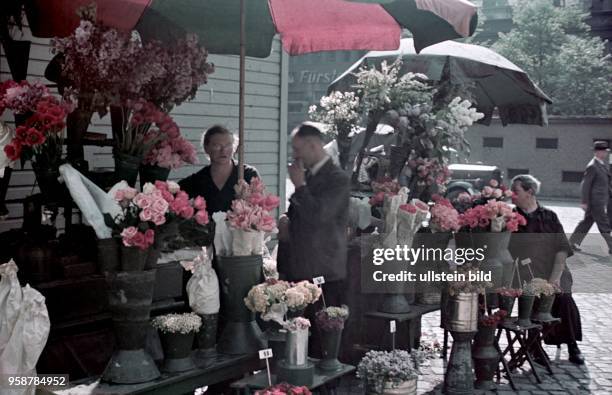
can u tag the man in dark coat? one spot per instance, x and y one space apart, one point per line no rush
313 234
596 193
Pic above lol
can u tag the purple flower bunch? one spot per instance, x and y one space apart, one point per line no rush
332 318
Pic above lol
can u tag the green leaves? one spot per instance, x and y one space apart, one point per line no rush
551 44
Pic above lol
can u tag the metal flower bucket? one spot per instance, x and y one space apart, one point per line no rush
462 313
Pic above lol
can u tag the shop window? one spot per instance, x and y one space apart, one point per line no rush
493 142
547 143
515 172
571 176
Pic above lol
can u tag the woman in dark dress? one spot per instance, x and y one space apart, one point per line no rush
215 182
543 241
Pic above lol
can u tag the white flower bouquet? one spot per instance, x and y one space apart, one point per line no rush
177 323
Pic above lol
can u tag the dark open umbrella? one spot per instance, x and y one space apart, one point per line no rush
248 27
497 82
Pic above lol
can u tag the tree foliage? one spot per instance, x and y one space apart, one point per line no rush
552 44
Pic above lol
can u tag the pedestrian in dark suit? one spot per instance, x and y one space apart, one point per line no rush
596 194
313 233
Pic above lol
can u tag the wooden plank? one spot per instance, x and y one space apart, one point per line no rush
215 109
231 86
229 120
227 99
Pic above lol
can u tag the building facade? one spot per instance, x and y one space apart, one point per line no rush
556 154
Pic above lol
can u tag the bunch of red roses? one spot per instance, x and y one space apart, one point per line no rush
40 139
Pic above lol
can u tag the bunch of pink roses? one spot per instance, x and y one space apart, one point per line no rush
171 153
492 216
444 217
142 211
132 237
251 211
180 206
383 187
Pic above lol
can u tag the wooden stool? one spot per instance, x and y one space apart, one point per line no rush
526 337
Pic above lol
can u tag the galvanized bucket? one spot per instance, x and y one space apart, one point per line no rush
462 313
296 347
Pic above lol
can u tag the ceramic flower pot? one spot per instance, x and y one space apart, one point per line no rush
542 307
485 358
177 351
152 173
408 387
525 305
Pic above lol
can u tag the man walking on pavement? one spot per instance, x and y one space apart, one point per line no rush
596 195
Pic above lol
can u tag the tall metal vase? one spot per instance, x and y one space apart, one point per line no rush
295 368
462 320
497 261
237 275
486 358
130 295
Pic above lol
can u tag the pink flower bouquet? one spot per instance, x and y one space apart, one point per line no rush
444 217
250 217
171 153
494 216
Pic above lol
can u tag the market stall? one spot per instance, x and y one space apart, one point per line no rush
140 234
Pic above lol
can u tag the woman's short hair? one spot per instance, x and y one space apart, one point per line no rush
528 182
213 130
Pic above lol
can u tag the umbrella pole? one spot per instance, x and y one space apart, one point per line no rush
241 94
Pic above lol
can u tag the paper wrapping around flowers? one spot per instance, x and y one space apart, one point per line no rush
270 268
10 300
223 237
91 200
359 213
408 224
390 209
498 224
203 286
25 328
245 243
6 136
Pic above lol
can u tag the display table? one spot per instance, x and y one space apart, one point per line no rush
211 370
320 381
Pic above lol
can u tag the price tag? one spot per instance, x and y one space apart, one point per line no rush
525 261
392 326
265 354
318 280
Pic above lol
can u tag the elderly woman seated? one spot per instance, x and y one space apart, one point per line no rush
543 241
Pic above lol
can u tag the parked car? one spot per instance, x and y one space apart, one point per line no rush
471 178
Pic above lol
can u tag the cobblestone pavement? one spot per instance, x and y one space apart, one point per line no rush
592 271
